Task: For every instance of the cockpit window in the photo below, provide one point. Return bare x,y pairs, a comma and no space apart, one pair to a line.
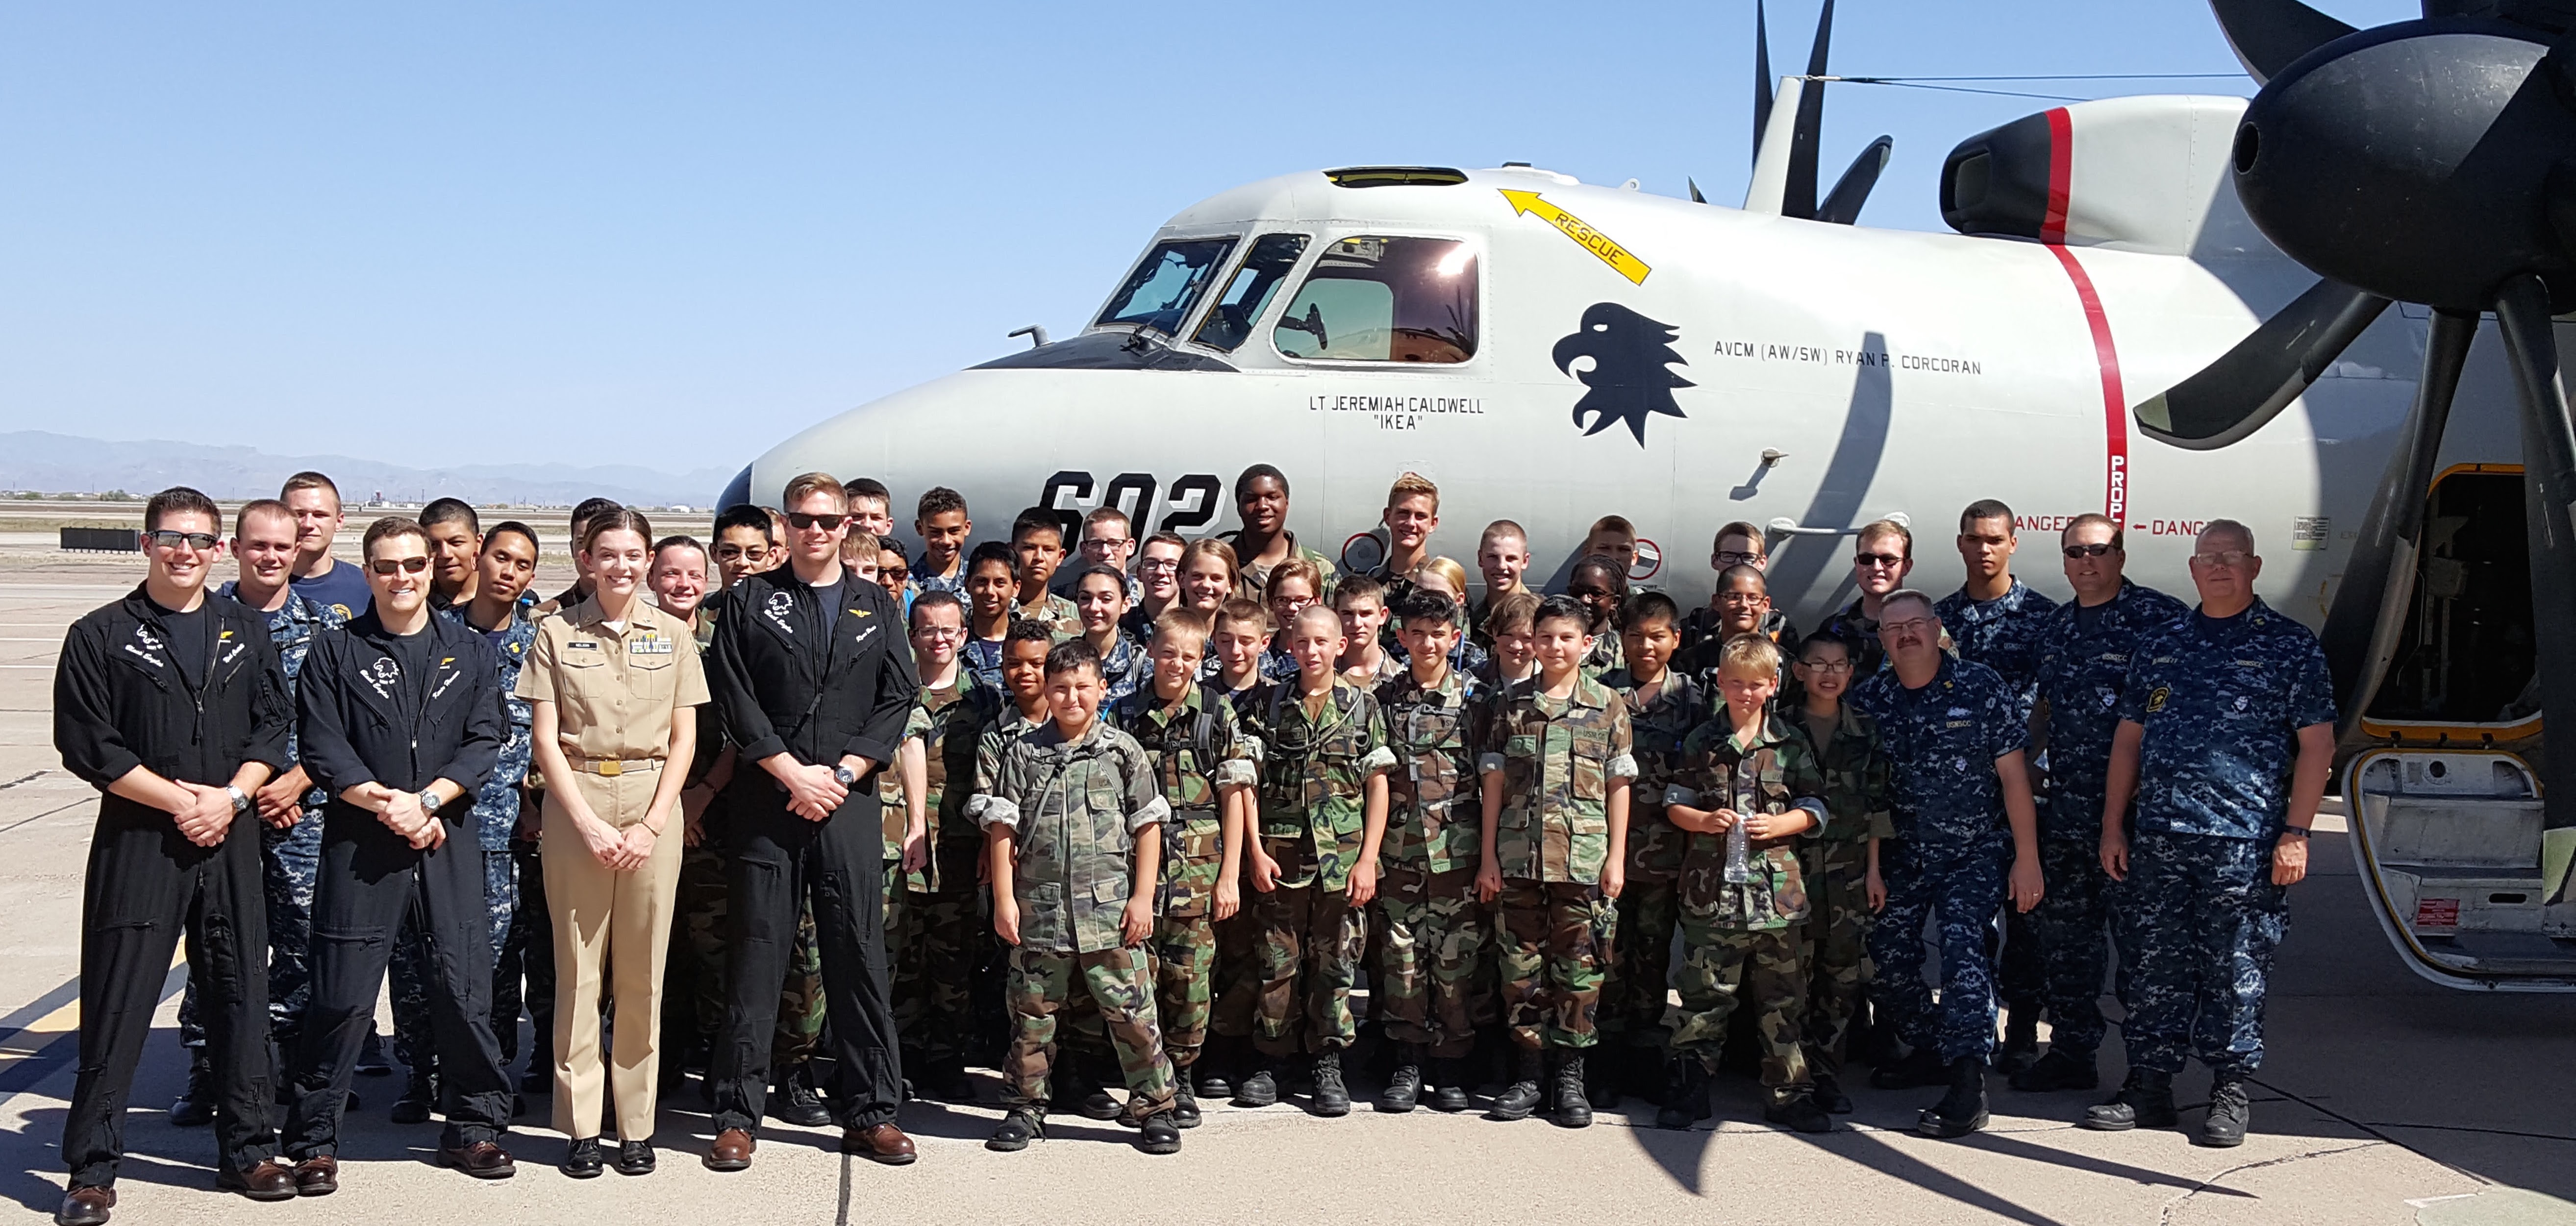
1229,322
1165,284
1379,299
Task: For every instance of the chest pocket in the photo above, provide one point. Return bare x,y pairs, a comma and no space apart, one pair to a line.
651,676
1587,751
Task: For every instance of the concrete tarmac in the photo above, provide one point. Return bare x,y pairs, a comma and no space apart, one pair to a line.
2385,1099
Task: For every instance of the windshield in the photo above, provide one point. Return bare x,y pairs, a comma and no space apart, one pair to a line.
1165,284
1229,322
1374,299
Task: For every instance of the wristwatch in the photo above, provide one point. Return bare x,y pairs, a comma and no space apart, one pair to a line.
849,778
2294,832
241,799
429,802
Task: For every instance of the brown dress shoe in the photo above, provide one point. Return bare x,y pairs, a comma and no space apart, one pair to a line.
731,1151
270,1180
482,1160
85,1207
879,1143
317,1176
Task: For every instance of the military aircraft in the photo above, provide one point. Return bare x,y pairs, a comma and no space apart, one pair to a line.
1549,351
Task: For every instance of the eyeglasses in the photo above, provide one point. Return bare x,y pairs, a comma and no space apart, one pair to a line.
164,538
1828,667
389,566
2094,550
1742,598
730,552
1727,558
1157,566
1917,625
1887,561
803,522
2224,559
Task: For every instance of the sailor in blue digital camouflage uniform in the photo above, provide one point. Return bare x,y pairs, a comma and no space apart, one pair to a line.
2085,651
504,566
1963,814
2226,739
1996,620
264,541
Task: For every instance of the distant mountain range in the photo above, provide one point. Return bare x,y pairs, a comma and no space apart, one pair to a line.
59,463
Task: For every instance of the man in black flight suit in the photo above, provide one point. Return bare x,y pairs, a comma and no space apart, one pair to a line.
400,721
814,677
175,707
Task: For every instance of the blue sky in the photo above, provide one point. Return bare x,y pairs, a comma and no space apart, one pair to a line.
669,235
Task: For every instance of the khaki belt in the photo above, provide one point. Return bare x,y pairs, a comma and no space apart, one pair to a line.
612,767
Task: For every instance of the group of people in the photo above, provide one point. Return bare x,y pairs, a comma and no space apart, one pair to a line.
965,807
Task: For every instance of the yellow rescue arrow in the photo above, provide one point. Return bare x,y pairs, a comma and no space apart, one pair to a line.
1619,258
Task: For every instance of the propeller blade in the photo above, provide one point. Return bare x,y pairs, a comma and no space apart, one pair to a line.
2379,578
1696,198
1842,205
2268,35
1762,82
1799,200
2248,385
2549,485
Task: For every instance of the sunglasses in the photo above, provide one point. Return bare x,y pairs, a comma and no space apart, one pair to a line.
167,539
894,574
803,522
2228,558
755,553
1588,593
1889,561
388,567
2089,551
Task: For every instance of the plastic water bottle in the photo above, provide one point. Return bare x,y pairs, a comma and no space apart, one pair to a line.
1739,845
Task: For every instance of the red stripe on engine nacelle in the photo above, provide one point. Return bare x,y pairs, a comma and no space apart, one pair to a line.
2106,356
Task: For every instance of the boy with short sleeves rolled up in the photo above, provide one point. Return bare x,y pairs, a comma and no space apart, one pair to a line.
1322,815
1742,923
1073,828
1556,760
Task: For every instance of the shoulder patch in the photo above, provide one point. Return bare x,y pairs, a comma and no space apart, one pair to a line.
2156,698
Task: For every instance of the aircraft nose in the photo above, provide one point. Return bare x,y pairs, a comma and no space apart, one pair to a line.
737,491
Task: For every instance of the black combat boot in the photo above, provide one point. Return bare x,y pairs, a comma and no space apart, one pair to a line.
1920,1067
1404,1082
1021,1126
1963,1109
418,1099
1448,1085
1830,1096
2145,1100
792,1099
1216,1061
1522,1096
2060,1069
196,1108
1605,1074
1573,1105
1799,1113
1159,1134
2231,1111
946,1080
1685,1094
1260,1088
1185,1096
1096,1102
1332,1098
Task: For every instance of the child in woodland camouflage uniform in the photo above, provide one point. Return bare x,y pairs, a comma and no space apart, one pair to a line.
1741,931
1073,825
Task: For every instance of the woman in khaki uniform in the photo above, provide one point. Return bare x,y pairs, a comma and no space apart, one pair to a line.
615,682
